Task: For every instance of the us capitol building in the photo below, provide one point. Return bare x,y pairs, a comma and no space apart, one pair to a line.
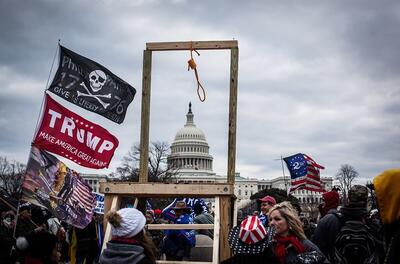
190,156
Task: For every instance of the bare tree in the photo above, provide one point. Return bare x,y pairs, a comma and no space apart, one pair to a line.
11,176
157,164
345,176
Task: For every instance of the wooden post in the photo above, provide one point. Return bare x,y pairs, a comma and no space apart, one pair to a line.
232,115
111,203
225,227
144,130
217,224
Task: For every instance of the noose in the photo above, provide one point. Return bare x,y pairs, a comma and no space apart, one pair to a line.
192,65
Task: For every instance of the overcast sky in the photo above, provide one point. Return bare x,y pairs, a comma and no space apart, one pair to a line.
316,77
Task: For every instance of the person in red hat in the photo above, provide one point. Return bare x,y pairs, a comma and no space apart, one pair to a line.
266,203
328,226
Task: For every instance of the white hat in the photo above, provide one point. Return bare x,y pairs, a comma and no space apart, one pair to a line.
132,222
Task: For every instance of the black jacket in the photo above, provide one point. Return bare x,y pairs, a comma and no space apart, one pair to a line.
325,234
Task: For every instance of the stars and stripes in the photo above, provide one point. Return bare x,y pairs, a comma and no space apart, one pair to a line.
304,173
82,196
252,230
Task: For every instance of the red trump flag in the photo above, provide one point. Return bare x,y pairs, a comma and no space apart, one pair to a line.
73,137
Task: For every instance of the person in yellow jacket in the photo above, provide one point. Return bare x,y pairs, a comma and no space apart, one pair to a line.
387,190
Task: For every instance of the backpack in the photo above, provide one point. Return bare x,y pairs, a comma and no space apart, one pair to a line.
355,244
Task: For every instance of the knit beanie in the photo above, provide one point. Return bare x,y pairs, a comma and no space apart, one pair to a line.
127,222
358,196
331,200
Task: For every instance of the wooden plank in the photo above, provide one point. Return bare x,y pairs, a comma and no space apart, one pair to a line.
217,224
107,207
187,45
232,115
181,262
225,227
152,190
235,212
114,206
179,226
145,117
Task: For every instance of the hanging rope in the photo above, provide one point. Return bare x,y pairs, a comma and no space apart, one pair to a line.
192,65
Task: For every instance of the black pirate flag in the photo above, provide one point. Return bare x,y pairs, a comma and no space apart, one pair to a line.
91,86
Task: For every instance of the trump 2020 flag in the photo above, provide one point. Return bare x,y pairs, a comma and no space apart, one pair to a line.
304,173
50,183
67,134
91,86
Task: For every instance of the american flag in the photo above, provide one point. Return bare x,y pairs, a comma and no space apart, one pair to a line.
304,173
82,195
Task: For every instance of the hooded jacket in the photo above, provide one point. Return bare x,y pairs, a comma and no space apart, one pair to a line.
387,186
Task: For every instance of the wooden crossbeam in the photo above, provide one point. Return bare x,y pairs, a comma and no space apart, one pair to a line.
179,226
187,45
154,190
181,262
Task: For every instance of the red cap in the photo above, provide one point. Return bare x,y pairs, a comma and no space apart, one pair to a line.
268,199
157,211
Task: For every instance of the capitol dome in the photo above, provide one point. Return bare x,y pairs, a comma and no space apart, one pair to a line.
190,150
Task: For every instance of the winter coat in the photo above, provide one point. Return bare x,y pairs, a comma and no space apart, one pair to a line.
387,186
6,243
123,253
291,254
325,234
24,227
178,243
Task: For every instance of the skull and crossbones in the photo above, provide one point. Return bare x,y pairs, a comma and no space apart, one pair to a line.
97,79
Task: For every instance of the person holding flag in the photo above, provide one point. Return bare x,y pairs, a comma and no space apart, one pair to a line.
178,243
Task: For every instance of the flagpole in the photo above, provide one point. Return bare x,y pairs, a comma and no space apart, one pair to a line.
52,64
283,173
37,123
47,84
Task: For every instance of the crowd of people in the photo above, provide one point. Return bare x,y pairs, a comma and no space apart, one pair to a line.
365,228
35,236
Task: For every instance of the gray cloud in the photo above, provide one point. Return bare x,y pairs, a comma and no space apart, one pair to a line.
314,77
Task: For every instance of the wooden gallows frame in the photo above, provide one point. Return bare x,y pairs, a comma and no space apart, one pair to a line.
223,192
